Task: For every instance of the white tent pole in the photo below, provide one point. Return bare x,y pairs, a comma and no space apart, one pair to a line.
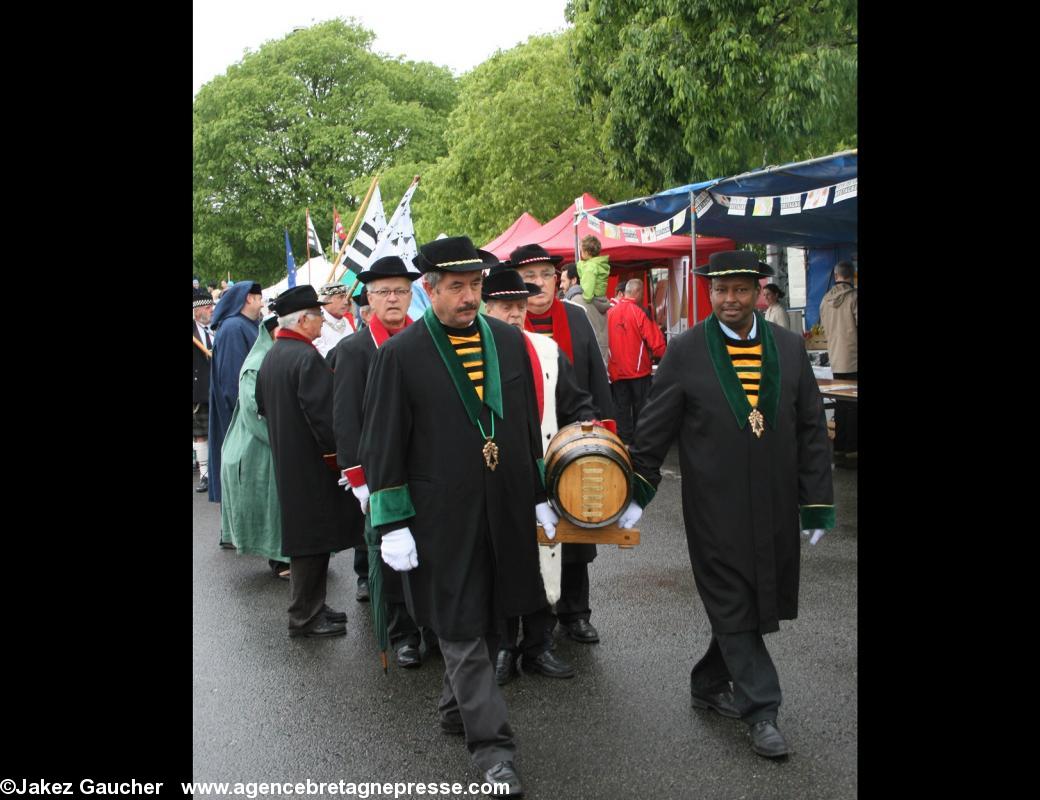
693,254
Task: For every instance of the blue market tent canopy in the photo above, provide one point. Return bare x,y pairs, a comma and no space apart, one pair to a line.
792,221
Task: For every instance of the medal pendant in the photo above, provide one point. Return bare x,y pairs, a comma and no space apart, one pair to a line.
757,422
490,454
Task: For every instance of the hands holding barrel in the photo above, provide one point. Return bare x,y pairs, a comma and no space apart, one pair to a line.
631,515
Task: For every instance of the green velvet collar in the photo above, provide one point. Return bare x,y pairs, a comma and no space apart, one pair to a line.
463,385
769,387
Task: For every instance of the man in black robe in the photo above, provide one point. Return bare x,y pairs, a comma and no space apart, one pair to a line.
560,402
450,449
568,325
294,393
389,283
741,396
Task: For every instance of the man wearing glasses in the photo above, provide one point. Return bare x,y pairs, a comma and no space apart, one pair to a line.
568,326
294,393
388,284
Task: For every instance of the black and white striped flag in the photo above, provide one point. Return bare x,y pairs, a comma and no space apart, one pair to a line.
313,243
359,252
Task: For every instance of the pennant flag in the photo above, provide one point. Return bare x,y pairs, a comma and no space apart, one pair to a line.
704,202
817,198
845,191
290,262
791,204
338,232
663,229
678,220
595,224
737,206
312,238
763,207
611,231
630,234
359,254
648,235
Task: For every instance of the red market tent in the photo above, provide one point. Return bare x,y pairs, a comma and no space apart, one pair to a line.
557,236
513,236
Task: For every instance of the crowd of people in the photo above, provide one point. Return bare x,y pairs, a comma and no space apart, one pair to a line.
419,444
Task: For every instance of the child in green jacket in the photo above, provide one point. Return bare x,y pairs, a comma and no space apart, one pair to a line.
593,271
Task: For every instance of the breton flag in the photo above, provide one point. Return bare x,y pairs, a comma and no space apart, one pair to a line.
399,239
290,262
312,238
359,252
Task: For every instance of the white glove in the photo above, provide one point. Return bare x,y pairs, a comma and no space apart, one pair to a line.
361,493
548,519
631,515
815,533
398,550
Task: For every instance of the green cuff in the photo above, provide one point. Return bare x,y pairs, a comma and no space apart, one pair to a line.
642,491
390,505
817,517
541,471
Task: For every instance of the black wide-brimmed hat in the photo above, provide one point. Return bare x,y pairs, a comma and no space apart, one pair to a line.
775,289
734,262
531,254
297,299
505,283
201,298
450,254
489,259
387,267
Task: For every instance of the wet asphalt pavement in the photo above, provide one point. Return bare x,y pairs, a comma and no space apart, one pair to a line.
271,708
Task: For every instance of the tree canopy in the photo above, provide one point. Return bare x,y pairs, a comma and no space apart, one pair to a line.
306,121
689,90
517,142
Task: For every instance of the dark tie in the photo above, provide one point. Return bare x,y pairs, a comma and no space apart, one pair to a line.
205,332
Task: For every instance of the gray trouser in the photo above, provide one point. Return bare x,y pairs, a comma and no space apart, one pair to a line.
741,658
471,695
307,585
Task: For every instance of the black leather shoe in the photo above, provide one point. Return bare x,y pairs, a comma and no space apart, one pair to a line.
505,772
549,665
408,656
505,667
766,739
452,727
225,545
362,590
203,484
719,701
581,631
334,616
323,628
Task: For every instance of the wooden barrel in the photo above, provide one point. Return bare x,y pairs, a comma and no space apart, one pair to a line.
588,475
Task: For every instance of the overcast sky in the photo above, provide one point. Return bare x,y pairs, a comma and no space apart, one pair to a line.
458,34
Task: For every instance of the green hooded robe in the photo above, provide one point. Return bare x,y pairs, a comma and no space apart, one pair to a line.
249,511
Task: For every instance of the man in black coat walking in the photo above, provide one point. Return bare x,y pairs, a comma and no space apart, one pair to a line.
294,393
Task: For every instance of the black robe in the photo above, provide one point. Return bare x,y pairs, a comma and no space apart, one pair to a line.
742,495
199,368
350,360
294,393
474,528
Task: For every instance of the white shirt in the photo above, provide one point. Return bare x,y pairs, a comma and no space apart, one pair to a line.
732,334
332,331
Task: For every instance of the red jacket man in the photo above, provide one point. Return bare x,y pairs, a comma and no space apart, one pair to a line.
632,338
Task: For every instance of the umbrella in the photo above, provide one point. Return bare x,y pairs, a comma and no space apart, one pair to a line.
375,590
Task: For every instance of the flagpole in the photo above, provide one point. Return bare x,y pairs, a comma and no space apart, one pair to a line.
693,252
353,228
308,224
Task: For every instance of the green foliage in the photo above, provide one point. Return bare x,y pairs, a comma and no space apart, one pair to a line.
691,90
517,142
306,121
